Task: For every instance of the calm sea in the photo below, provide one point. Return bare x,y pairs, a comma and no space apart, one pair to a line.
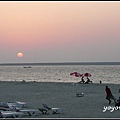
107,73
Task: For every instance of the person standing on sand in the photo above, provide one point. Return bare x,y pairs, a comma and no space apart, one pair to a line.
109,95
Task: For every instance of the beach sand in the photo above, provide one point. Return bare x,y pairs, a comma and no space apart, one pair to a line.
62,95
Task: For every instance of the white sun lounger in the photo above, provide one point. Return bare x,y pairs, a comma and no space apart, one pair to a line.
49,110
11,114
7,106
4,106
22,107
29,112
17,104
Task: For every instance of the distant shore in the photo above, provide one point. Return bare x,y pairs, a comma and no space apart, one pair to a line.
62,95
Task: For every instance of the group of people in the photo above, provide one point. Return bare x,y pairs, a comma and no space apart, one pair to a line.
109,97
83,81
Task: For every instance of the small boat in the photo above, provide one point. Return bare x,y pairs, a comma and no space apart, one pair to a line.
27,67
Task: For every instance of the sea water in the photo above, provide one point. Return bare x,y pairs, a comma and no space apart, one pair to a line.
60,73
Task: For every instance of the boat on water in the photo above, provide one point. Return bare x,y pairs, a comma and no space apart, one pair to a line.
27,67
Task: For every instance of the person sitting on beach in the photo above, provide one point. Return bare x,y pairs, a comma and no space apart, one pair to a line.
88,81
82,80
119,91
118,102
109,95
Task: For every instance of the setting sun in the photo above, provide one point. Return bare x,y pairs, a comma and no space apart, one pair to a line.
20,54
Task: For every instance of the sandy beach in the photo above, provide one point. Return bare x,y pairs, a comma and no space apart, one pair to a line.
63,95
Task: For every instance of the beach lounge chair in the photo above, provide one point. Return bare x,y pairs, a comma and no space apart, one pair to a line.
7,106
17,104
10,114
12,108
48,109
29,112
22,107
4,106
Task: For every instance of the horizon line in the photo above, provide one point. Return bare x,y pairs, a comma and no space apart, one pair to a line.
64,63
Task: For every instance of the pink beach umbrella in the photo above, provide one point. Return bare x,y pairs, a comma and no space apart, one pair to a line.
76,74
87,75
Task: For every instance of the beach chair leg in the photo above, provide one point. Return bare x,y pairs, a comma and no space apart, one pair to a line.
54,112
44,111
58,111
29,113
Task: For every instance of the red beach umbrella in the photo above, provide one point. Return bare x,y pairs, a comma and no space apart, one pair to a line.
76,74
87,75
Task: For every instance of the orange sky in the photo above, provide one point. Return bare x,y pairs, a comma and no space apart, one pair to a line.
59,31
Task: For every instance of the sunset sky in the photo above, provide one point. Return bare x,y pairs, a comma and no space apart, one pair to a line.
59,32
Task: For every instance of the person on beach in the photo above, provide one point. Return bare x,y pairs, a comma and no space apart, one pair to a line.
109,95
118,103
119,91
88,81
82,80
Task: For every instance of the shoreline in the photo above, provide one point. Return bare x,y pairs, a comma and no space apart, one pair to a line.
25,81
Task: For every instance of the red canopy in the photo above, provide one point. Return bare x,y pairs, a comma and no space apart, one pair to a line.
87,75
76,74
